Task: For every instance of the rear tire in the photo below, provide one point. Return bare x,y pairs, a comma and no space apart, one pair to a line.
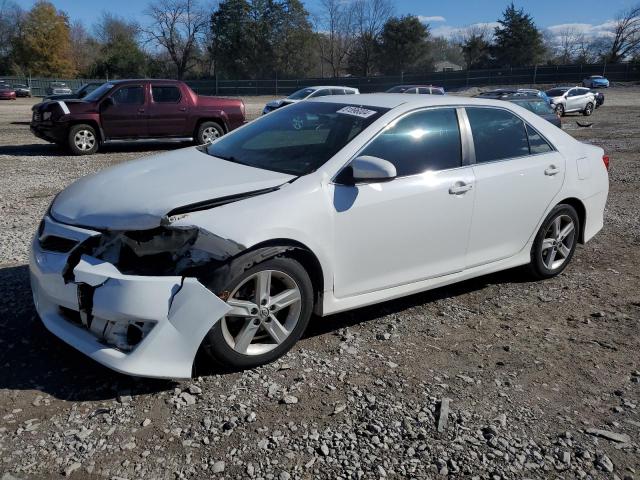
208,132
257,331
555,242
588,110
82,140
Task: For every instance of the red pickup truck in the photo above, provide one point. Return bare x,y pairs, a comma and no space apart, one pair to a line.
126,110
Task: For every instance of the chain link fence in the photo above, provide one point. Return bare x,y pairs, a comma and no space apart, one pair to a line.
451,80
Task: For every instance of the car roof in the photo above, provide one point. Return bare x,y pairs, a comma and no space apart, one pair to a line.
393,100
316,87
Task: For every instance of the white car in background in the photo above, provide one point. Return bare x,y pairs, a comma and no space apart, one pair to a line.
307,93
232,246
572,99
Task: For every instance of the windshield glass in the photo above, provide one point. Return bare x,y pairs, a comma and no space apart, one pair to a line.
556,92
297,139
301,94
98,92
539,107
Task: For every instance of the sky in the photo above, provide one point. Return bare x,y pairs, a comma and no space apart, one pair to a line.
443,16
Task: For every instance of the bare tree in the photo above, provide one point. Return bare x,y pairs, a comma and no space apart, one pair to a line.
11,16
369,17
626,38
568,42
177,26
337,33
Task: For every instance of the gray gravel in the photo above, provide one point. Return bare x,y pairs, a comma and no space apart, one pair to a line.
495,378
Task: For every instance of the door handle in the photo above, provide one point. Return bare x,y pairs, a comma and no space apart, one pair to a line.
551,170
183,109
459,188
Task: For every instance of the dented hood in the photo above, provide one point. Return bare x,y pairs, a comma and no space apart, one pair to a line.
137,195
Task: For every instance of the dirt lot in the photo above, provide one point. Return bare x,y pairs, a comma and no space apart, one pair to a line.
543,377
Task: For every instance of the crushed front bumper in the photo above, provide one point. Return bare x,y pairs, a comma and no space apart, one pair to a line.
166,317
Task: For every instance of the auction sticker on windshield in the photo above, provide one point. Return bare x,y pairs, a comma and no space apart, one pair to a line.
357,111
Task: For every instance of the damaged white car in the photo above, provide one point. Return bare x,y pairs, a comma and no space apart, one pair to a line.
231,247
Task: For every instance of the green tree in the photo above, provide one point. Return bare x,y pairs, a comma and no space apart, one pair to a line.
228,28
403,45
518,42
476,51
120,53
44,46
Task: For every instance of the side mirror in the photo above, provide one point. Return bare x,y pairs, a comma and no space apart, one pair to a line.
367,169
106,103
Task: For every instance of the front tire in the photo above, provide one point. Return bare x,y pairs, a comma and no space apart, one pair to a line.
560,110
272,304
82,140
588,110
555,242
208,132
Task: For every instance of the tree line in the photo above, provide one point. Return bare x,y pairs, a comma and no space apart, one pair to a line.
259,39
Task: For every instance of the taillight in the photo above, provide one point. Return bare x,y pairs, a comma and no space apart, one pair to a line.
242,108
605,160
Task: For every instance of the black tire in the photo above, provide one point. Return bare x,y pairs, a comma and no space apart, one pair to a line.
77,148
537,266
588,109
217,346
206,129
560,110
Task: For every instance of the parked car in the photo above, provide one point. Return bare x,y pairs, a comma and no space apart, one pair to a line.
231,246
532,102
58,88
572,99
82,92
498,93
7,92
419,89
595,81
599,96
309,92
135,109
22,90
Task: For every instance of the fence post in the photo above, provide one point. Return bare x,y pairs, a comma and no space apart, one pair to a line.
276,83
216,83
604,68
535,73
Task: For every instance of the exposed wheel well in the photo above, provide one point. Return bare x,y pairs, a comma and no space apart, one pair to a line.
580,210
301,253
214,120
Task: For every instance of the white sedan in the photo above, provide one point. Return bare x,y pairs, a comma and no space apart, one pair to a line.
231,247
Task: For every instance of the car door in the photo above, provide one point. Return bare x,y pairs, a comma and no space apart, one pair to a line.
517,175
167,112
574,100
415,226
124,116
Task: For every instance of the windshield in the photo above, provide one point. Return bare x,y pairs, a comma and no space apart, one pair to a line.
556,92
297,139
98,92
301,94
539,107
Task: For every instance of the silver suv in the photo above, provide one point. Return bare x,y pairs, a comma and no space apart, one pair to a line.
572,99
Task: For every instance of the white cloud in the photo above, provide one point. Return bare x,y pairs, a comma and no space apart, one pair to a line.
589,30
448,31
435,18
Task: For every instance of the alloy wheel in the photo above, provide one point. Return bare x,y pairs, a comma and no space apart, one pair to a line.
210,134
265,310
559,240
84,140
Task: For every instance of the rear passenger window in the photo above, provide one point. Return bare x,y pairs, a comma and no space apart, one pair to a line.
537,144
165,94
128,96
419,142
497,134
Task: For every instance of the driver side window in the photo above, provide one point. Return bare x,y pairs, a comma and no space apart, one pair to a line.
133,95
428,140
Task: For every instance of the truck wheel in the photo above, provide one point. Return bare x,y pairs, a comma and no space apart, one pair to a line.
208,132
82,140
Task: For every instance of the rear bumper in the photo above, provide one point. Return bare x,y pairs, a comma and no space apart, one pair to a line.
169,315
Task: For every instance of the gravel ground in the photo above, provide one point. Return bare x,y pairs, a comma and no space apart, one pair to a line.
497,377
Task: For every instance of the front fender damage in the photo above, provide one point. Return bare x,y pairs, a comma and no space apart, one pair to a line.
155,294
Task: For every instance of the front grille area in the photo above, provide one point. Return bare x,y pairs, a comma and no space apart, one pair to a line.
53,243
36,116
